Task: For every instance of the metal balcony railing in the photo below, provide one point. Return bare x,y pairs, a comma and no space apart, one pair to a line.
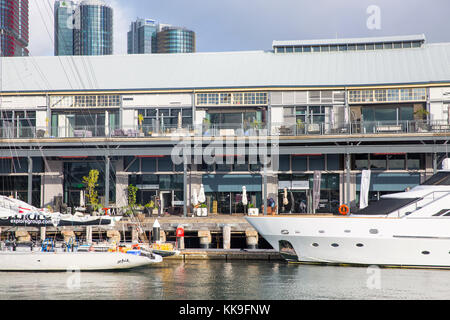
224,130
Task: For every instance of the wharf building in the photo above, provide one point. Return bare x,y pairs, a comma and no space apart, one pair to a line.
84,28
379,103
14,30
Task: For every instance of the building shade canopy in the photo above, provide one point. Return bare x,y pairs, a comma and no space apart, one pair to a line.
232,183
390,181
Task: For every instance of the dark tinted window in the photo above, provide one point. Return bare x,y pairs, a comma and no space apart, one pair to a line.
439,179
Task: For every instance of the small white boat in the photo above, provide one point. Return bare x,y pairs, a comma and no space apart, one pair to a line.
74,261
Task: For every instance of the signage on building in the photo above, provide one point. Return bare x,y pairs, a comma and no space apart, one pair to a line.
148,186
300,185
294,185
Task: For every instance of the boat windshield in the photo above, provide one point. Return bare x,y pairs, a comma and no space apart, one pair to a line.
385,206
439,179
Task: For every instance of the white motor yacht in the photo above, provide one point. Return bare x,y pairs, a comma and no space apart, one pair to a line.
408,229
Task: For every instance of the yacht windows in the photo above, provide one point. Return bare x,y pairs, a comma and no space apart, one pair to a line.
385,206
439,179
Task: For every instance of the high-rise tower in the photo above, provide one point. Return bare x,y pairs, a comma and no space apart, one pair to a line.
14,28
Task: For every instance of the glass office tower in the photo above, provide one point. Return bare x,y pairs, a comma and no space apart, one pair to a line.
142,36
93,28
175,40
64,27
13,28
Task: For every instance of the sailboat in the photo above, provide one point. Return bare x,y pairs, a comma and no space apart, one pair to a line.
14,213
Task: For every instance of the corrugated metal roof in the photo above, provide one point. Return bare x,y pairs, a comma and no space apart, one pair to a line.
278,43
430,63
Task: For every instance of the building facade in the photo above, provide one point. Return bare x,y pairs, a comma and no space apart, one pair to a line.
142,36
175,40
83,29
217,119
64,27
14,28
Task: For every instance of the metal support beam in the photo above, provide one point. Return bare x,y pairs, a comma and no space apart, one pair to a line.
185,197
265,189
435,163
107,178
30,181
347,179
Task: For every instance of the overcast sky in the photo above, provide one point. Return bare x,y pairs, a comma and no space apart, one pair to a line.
236,25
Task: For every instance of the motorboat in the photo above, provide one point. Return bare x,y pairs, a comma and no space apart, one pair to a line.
406,229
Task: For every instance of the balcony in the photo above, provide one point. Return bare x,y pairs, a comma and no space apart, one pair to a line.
276,129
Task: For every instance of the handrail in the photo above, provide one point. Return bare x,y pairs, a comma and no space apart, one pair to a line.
422,198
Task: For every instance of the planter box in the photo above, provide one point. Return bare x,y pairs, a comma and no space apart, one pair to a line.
204,212
155,211
253,211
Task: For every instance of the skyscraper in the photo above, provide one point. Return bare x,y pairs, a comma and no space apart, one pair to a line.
148,36
142,36
92,28
13,28
64,27
175,40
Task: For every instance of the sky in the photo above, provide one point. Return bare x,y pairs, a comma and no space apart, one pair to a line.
241,25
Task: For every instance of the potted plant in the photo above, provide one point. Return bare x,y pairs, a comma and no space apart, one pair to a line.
252,211
204,210
149,206
141,119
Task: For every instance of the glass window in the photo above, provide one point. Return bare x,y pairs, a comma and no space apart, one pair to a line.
324,48
397,45
361,47
307,49
415,161
316,49
370,46
392,95
352,47
299,163
407,44
388,45
343,47
298,49
379,46
378,162
317,162
361,161
289,49
396,162
333,48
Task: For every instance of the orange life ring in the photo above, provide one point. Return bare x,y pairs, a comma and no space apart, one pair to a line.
344,209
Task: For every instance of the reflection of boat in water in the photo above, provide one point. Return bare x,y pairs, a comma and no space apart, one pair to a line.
14,212
410,228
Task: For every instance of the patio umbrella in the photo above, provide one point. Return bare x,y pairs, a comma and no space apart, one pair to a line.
244,196
194,199
179,120
201,194
285,199
82,202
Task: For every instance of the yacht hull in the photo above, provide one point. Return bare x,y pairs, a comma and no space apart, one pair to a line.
72,261
358,240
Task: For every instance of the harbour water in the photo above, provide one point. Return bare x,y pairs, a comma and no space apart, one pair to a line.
235,280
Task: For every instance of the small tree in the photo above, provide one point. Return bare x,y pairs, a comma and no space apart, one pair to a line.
132,191
90,183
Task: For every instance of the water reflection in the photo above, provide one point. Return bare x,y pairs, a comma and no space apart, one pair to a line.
220,280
